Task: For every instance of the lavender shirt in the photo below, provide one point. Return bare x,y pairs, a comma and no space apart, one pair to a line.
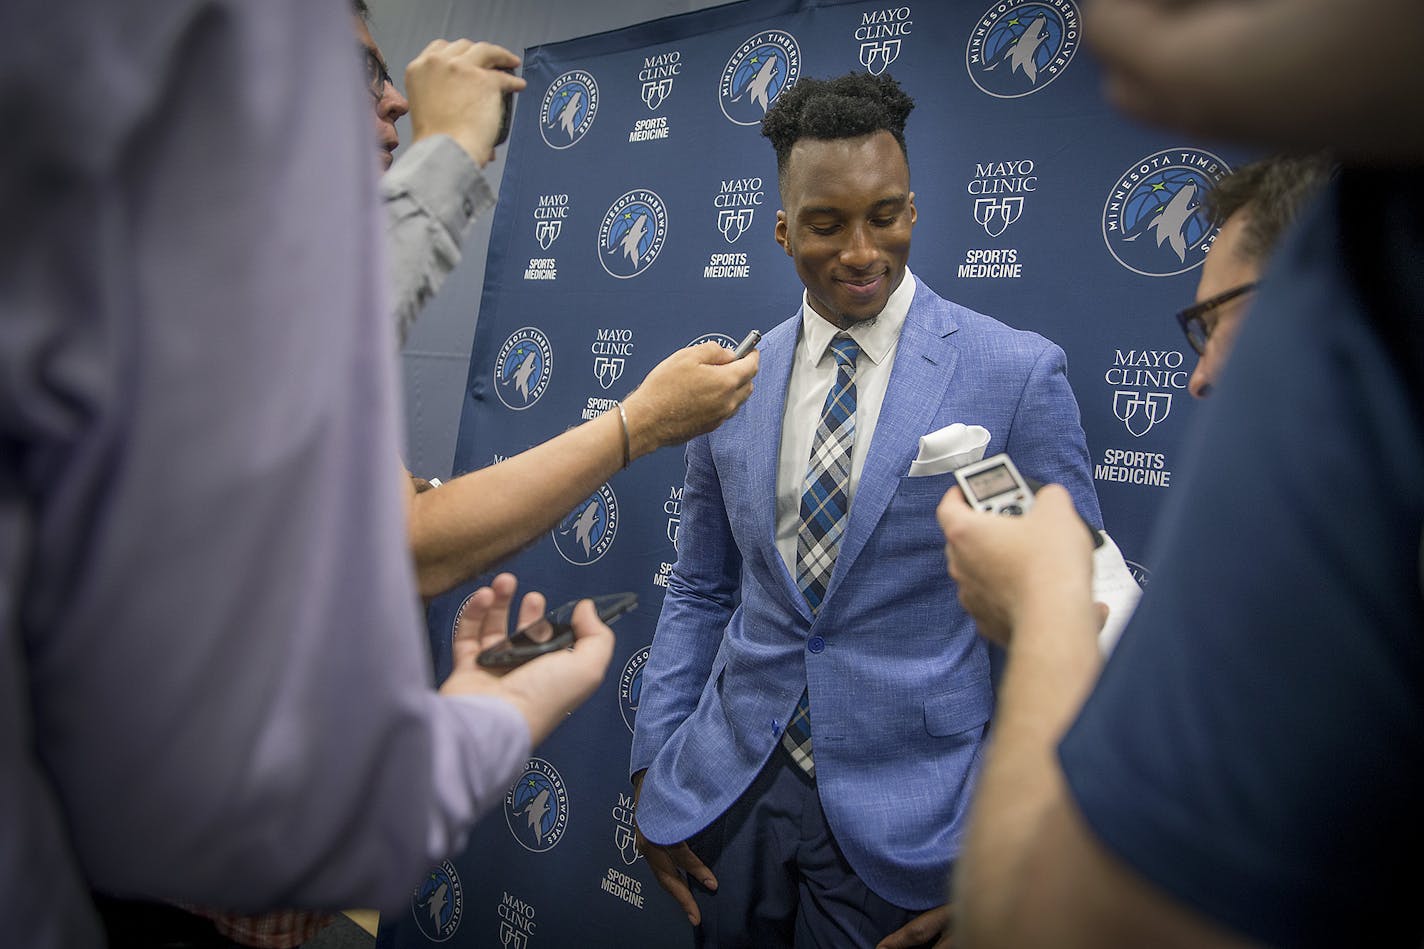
213,681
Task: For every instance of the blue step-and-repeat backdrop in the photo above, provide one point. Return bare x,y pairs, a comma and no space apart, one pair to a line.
636,217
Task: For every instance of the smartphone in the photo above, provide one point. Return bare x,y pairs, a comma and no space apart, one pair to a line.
553,631
506,115
747,344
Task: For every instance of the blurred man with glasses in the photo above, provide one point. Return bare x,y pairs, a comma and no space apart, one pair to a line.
1253,206
437,187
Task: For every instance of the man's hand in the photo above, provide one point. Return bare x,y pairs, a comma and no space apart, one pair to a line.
1260,71
930,925
546,689
672,865
691,392
1007,566
457,89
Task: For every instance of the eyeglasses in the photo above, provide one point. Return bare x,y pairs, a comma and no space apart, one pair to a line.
376,74
1193,319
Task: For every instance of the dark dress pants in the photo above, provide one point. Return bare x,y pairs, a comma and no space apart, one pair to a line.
781,879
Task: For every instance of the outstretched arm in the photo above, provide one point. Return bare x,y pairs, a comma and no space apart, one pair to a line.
478,519
1031,873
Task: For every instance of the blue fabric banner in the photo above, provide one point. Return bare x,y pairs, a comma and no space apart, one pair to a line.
635,217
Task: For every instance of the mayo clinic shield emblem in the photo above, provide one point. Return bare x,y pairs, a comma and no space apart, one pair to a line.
608,369
546,232
655,92
734,223
996,214
1141,412
627,843
877,57
511,938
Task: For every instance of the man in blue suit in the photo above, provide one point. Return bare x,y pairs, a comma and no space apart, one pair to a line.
816,702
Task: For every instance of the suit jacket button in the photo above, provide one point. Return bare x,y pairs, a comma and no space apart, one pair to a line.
816,644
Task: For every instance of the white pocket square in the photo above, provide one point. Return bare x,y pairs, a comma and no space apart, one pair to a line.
953,446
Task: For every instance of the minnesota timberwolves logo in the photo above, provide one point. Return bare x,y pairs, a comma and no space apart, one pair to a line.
569,108
721,339
459,618
1153,220
523,367
1018,48
632,233
537,807
587,533
438,903
761,68
1139,573
630,686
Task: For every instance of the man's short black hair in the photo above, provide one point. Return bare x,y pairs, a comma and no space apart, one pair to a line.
847,106
1271,192
360,8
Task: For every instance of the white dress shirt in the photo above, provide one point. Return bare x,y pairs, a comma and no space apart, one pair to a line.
813,370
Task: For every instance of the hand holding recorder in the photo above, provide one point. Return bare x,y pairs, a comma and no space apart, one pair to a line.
1006,567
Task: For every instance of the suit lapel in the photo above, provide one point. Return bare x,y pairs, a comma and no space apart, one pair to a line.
764,419
924,365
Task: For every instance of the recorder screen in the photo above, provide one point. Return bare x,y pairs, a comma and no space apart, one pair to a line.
994,481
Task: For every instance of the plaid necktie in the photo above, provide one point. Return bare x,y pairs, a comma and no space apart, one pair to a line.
824,503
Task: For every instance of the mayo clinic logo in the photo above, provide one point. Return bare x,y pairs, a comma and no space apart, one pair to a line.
516,922
657,76
549,217
537,807
632,233
761,68
1153,220
523,367
587,533
881,33
736,205
630,687
438,902
611,349
998,189
1143,383
569,108
1018,48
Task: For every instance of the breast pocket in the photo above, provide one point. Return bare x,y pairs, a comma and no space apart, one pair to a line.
927,489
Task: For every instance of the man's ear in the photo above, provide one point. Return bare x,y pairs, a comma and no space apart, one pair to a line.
914,215
783,232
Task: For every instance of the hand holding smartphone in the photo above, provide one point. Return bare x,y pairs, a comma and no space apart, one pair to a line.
552,632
